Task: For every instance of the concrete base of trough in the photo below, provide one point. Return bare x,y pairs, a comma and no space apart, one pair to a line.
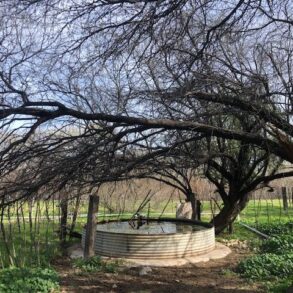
220,251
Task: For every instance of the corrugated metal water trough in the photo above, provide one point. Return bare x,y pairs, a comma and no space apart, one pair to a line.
156,246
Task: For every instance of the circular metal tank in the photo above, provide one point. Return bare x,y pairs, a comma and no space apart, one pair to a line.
156,246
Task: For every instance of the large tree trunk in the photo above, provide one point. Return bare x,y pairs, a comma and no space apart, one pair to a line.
228,213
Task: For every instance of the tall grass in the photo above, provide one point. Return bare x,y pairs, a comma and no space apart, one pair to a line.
26,237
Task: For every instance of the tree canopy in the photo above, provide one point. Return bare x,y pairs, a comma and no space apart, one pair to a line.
112,84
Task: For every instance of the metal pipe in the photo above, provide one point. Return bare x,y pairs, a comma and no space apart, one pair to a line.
255,230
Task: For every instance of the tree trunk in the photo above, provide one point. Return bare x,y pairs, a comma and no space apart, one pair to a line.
63,220
228,213
285,198
75,213
5,240
195,205
191,209
90,236
198,210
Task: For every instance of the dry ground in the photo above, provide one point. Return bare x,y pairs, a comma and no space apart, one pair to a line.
211,277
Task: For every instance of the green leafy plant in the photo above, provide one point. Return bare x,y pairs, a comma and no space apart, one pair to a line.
281,286
227,272
278,245
23,280
274,263
276,228
96,264
267,265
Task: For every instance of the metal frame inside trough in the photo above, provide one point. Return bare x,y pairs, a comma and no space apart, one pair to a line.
155,246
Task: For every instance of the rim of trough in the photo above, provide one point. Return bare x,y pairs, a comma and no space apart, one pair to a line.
186,221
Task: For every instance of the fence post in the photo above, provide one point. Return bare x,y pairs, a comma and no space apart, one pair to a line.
90,236
64,217
285,199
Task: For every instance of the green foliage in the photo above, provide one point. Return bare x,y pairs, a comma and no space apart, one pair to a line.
96,264
227,272
276,228
239,232
23,280
267,265
274,264
278,244
266,211
34,247
281,286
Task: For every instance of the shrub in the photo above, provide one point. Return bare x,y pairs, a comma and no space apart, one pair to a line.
23,280
275,265
267,265
276,229
280,287
96,264
278,245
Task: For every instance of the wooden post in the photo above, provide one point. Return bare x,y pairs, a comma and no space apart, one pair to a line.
89,244
63,219
198,210
285,199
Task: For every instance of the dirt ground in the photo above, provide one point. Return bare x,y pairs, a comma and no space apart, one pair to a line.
211,277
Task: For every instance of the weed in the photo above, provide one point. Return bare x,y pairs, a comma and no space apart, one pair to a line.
267,265
23,280
278,245
96,264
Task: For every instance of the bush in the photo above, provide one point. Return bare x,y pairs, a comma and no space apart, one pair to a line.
267,265
23,280
275,265
96,264
276,229
280,287
278,245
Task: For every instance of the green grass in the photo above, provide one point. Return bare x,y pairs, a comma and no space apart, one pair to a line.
239,232
36,246
256,211
266,211
29,248
41,244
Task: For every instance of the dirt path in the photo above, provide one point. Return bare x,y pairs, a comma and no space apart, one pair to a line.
211,277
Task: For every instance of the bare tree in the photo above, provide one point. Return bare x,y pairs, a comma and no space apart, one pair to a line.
236,169
131,75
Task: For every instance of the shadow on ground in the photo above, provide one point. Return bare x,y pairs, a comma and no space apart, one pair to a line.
211,277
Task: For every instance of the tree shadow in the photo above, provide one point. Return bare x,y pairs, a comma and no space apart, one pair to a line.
153,283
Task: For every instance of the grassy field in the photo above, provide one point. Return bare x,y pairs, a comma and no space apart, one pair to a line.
268,211
34,241
259,210
31,235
